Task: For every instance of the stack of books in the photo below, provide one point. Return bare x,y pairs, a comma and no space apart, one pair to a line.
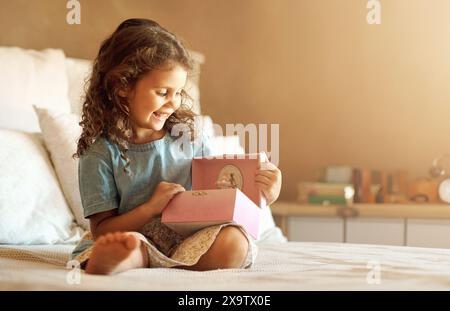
347,185
325,193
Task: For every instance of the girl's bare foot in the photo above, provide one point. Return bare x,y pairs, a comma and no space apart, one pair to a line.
117,252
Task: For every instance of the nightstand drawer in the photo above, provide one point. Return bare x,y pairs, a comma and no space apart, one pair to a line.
315,229
382,231
428,233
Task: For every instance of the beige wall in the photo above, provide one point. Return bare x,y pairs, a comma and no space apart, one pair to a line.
343,91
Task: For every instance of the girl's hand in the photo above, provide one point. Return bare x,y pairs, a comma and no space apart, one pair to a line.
164,192
268,181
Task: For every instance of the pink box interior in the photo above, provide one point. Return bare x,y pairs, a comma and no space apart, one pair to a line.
206,171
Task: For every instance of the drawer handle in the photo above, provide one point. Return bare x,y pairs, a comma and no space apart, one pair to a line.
347,212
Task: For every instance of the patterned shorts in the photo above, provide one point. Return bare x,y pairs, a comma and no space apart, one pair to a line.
167,248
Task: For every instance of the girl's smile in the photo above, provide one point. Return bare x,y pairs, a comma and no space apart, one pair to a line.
161,116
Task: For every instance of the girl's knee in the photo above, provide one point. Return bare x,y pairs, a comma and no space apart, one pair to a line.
234,246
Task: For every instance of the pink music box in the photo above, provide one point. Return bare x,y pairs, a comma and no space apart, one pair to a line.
223,190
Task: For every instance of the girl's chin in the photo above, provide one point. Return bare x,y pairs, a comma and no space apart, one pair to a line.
156,122
153,126
151,123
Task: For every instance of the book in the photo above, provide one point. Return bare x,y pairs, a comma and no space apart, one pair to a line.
325,193
338,174
327,199
223,191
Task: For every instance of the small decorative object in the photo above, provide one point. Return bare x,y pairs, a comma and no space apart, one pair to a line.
438,172
397,187
423,190
444,190
229,177
362,184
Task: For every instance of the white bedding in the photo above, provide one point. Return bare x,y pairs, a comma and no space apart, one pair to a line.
287,266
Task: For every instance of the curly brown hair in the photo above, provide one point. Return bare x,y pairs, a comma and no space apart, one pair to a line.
135,48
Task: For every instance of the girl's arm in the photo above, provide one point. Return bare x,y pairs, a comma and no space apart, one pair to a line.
134,220
110,221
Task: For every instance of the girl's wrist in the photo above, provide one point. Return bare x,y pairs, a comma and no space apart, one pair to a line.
147,210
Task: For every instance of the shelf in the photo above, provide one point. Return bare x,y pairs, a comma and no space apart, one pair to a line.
413,210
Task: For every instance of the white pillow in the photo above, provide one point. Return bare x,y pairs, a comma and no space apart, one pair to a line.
32,207
61,132
27,78
78,72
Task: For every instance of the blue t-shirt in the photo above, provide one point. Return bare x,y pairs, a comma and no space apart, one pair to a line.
104,185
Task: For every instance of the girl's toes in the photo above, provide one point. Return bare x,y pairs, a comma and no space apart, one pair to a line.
130,242
118,236
109,237
101,240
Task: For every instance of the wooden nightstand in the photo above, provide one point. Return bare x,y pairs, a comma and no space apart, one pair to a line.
395,224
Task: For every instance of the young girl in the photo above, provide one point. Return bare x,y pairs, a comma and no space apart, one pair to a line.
128,170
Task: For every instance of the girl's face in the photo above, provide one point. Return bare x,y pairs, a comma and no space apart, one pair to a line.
154,98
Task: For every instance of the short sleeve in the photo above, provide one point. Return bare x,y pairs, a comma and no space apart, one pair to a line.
97,185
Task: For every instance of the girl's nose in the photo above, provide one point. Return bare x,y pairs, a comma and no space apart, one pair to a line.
174,102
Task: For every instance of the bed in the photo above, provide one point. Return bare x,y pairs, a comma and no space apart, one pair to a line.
286,266
41,215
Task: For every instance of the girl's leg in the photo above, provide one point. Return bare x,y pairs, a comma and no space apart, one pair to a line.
229,250
117,252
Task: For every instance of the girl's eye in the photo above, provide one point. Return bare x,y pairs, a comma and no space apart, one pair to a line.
162,93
